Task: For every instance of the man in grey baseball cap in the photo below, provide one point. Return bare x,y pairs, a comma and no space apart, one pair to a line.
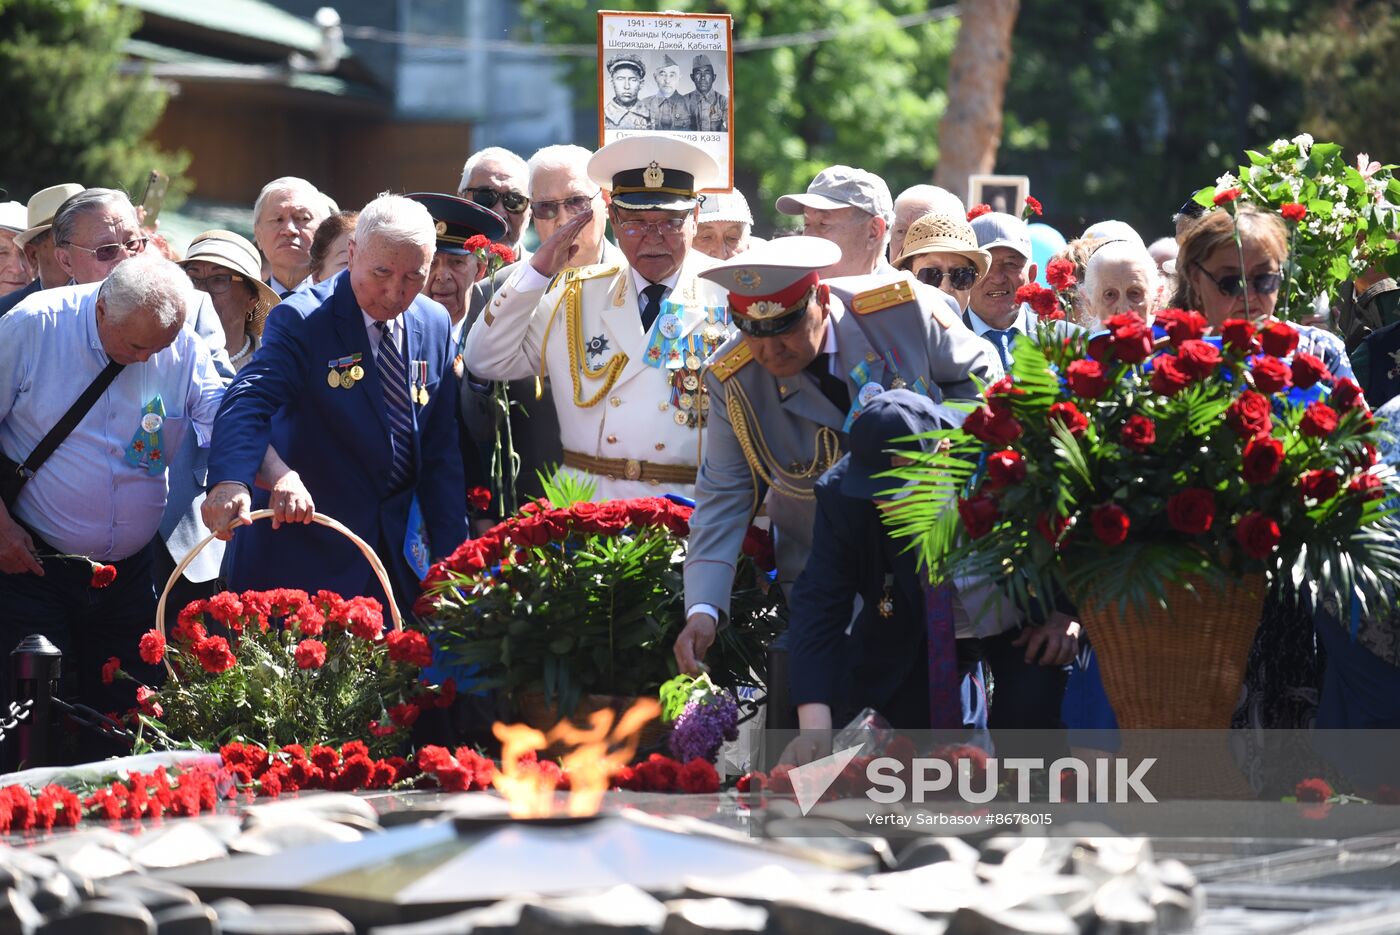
852,208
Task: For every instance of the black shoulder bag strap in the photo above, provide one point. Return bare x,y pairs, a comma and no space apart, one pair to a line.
49,443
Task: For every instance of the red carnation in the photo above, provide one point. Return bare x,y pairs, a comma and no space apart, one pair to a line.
1226,196
214,654
1279,339
479,499
1346,394
1191,511
1249,415
1168,376
1238,335
1139,433
1313,790
1110,523
1270,375
152,647
976,211
1182,325
1033,206
310,654
1060,273
148,707
1369,486
1197,358
658,773
1319,420
404,714
1292,211
409,646
1087,378
1308,371
994,427
1258,534
1005,468
1262,459
1042,301
1319,485
979,514
1068,415
697,777
102,575
110,669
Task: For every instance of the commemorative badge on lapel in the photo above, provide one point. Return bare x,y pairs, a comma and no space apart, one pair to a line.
420,382
147,448
344,372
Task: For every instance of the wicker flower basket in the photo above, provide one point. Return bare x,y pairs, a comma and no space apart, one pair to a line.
1179,666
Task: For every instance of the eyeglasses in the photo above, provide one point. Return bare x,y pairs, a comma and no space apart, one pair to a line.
638,229
960,277
1232,286
108,251
549,210
217,284
514,202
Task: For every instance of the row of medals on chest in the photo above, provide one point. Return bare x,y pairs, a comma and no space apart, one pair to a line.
688,393
345,372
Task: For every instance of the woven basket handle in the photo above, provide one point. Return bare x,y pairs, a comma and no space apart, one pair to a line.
319,519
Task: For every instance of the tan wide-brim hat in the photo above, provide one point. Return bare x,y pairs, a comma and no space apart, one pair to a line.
43,206
235,253
943,233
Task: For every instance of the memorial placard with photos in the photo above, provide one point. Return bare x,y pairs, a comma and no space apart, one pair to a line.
670,73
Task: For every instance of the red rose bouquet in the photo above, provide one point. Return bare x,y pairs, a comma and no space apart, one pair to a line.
282,667
586,599
1113,466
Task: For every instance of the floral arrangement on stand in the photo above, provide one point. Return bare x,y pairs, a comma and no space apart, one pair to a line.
1339,215
583,600
292,668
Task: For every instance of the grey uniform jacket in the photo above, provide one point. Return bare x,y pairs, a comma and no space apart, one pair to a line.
776,436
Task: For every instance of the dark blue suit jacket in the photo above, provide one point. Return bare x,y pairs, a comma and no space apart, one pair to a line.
10,299
338,441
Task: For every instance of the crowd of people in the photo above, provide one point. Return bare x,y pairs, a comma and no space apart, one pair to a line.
384,367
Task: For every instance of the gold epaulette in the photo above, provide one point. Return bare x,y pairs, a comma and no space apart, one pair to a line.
583,272
731,362
882,297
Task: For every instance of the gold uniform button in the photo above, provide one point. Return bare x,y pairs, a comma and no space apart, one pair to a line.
612,439
662,407
615,401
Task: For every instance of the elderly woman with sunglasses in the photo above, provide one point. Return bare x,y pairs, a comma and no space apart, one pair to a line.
941,250
1212,279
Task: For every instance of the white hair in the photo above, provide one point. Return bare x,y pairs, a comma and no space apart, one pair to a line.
147,284
320,203
938,199
89,200
564,157
397,220
1116,251
492,154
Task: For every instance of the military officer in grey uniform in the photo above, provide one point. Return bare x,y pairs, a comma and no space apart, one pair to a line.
624,111
709,108
668,108
785,392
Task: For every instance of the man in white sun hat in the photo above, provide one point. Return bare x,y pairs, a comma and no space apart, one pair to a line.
623,343
36,240
725,225
811,354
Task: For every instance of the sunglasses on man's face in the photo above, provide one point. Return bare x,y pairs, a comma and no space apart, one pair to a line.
514,202
1232,285
549,210
960,278
108,251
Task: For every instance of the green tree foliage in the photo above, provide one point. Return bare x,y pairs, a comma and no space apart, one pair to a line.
872,97
70,114
1348,61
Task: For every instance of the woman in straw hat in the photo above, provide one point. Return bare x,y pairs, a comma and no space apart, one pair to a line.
226,266
941,250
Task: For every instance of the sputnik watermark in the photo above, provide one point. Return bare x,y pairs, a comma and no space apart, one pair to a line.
891,780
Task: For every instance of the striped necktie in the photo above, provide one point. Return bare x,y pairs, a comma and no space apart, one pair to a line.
393,383
1002,340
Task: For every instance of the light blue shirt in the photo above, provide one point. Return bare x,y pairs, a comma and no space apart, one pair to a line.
85,499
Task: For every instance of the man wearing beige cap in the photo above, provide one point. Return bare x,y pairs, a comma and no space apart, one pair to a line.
725,223
851,208
37,243
14,269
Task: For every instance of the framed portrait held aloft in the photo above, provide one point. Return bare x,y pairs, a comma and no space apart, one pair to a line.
670,73
1005,193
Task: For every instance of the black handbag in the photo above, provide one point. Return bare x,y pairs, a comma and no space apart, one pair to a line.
13,476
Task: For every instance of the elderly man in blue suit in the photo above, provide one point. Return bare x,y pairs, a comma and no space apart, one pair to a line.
354,388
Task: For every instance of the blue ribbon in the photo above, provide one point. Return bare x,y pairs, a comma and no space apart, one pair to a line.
147,449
